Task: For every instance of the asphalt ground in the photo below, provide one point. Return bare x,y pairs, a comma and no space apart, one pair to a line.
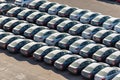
17,67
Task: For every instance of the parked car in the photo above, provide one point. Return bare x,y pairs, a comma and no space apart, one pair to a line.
99,20
66,25
14,11
117,28
8,39
11,24
90,49
52,56
107,73
103,53
30,48
23,3
92,69
3,34
54,22
14,47
110,23
43,34
45,6
34,16
79,44
90,31
117,77
76,15
87,17
78,29
55,9
111,39
66,11
78,65
40,53
114,58
30,32
23,14
19,29
43,20
35,4
4,20
67,41
63,62
54,38
117,45
100,35
4,7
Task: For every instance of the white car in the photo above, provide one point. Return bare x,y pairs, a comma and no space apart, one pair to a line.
75,15
87,17
55,8
22,2
117,28
107,73
43,34
110,23
90,31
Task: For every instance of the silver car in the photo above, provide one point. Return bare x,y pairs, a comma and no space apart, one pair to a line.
87,17
75,15
55,8
54,38
110,23
79,44
90,31
43,34
107,73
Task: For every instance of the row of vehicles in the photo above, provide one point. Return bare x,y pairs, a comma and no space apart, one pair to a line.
61,59
51,36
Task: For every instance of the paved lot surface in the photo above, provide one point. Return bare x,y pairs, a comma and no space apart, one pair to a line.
17,67
102,6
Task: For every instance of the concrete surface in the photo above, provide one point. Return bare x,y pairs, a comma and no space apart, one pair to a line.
17,67
103,6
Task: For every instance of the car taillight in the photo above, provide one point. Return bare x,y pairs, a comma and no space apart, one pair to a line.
77,49
75,70
61,66
113,63
40,38
103,79
89,75
99,58
65,45
52,41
